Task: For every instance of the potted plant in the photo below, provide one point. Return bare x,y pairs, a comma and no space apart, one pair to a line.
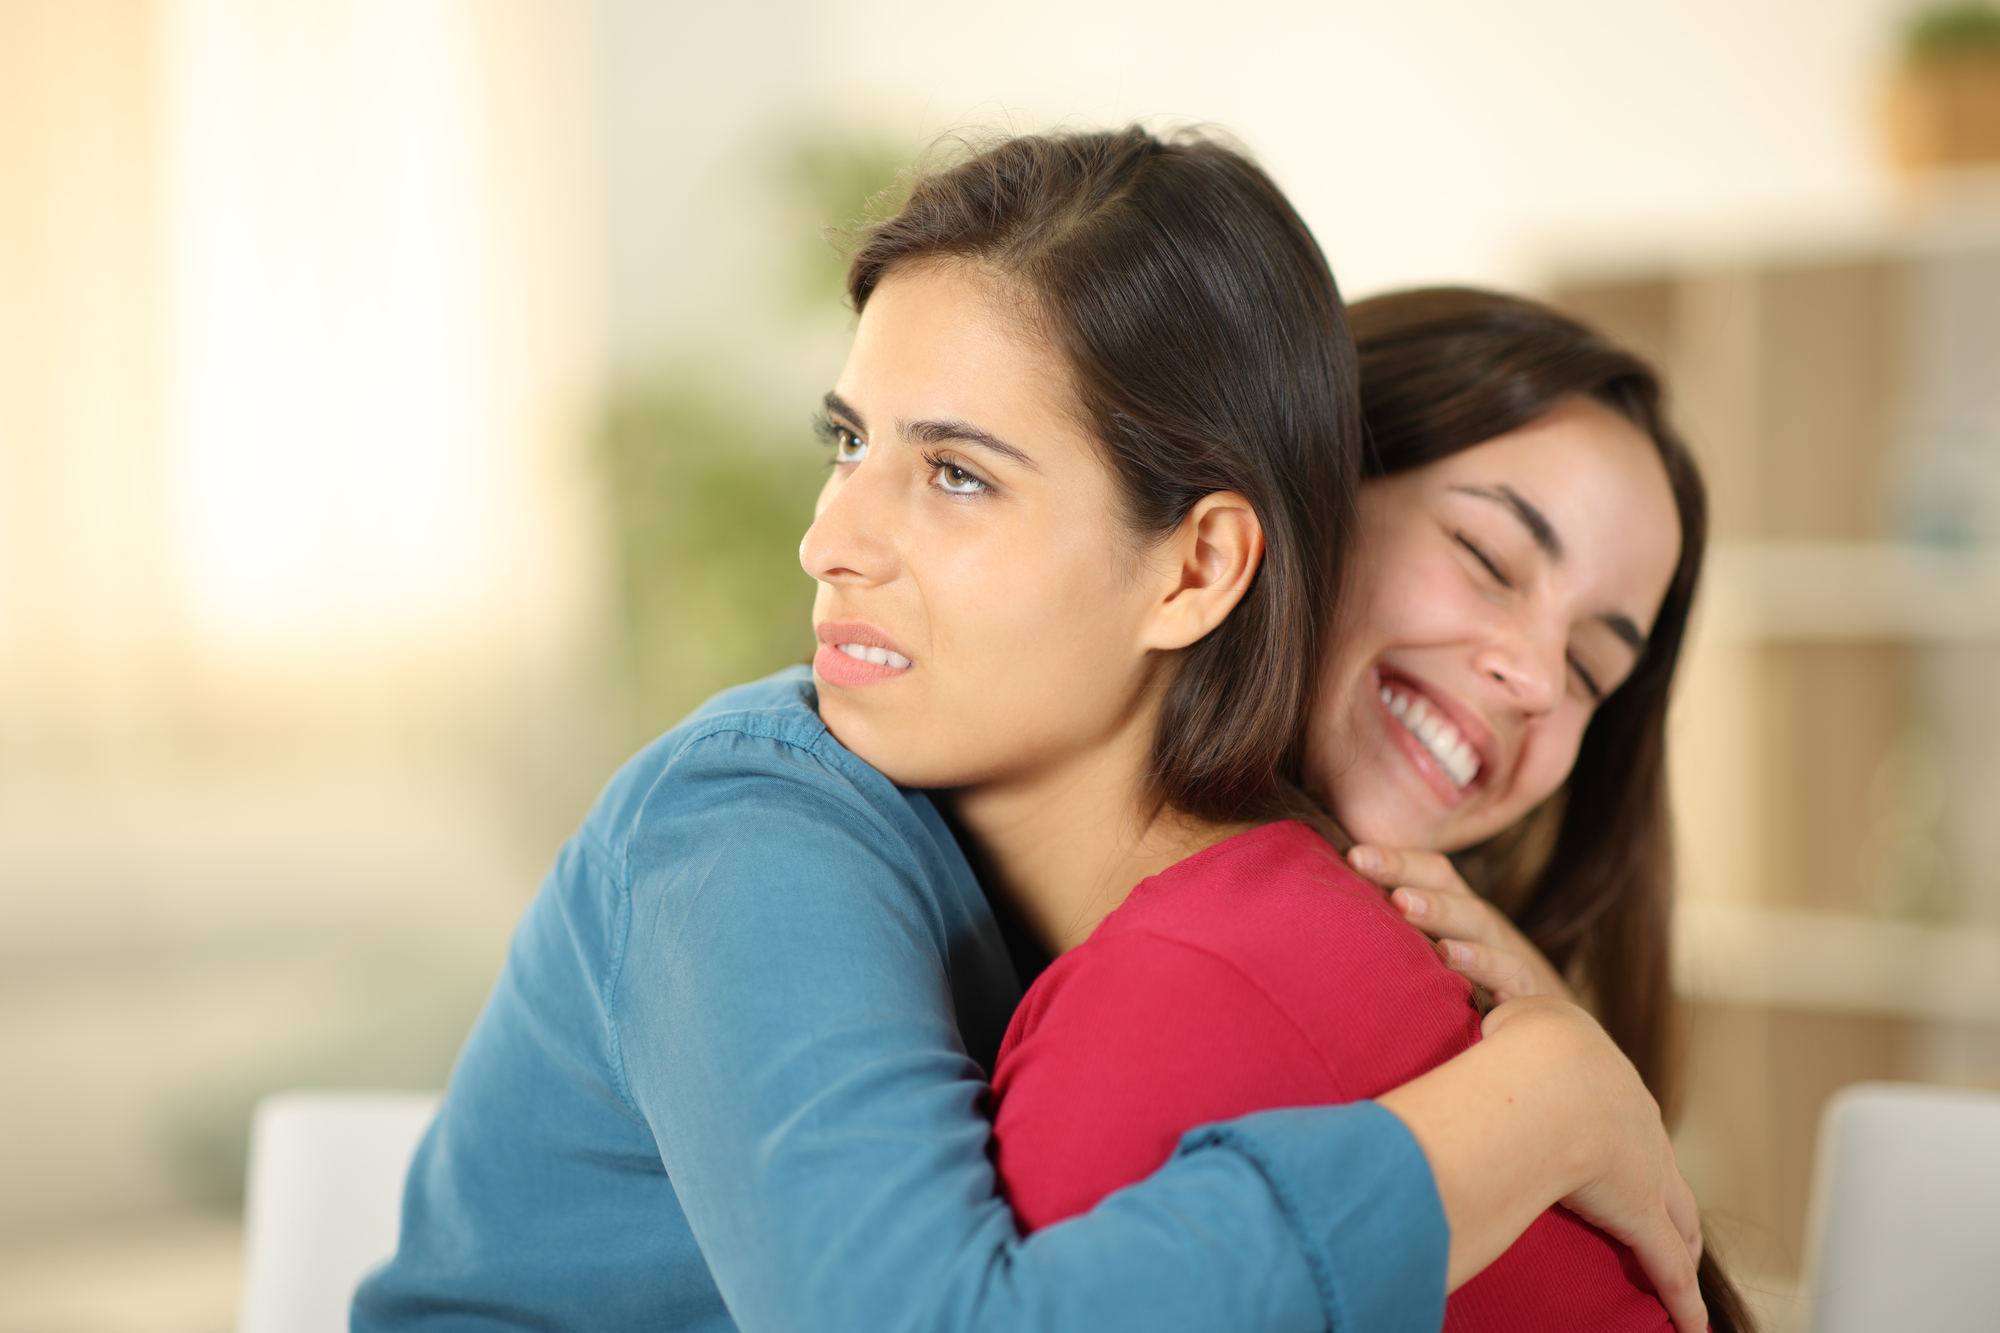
1944,106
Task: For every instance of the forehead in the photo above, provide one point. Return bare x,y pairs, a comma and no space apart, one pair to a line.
942,348
962,337
1599,480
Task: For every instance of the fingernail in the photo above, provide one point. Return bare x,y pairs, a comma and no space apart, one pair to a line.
1413,904
1365,859
1460,953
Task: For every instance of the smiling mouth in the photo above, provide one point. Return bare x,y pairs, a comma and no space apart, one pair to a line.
861,652
1439,737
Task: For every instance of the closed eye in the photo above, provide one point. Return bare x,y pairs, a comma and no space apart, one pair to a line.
1483,559
1589,681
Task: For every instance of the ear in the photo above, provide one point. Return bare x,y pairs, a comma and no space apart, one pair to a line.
1207,565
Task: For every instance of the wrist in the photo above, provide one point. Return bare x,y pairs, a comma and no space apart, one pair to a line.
1532,1013
1554,1048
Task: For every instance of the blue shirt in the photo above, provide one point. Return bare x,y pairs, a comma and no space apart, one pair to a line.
723,1082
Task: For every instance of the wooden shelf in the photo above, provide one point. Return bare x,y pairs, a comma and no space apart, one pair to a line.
1844,592
1836,962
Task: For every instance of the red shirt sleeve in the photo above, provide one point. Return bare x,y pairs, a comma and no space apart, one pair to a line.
1125,1046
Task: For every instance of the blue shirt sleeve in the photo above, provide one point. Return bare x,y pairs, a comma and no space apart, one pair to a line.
782,1019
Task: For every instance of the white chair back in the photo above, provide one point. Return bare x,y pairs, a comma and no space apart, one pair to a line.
1905,1228
323,1202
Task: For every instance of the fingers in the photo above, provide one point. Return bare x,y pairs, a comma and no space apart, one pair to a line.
1393,869
1458,916
1673,1249
1633,1188
1503,973
1480,944
1664,1257
1474,945
1634,1211
1681,1209
1667,1245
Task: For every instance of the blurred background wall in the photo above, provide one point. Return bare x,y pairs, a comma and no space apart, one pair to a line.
402,417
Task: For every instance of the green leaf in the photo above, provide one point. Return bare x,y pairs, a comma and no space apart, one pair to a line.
1952,30
709,503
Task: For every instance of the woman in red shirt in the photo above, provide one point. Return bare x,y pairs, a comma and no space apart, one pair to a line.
1576,848
1528,551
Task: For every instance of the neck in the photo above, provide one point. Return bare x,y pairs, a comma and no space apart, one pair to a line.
1067,845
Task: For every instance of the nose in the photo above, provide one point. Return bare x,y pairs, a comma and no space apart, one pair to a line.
1530,664
846,543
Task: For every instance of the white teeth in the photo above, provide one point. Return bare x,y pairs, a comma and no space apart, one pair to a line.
1454,754
879,656
1463,764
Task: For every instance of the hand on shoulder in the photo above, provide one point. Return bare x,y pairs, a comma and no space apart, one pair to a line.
1475,938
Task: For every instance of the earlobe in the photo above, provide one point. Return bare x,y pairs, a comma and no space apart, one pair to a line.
1211,559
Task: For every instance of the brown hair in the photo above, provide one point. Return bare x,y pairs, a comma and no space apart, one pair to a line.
1588,874
1209,351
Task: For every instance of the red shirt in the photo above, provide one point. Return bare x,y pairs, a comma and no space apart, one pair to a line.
1260,973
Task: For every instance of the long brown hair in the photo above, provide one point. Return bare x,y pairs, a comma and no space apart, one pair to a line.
1587,875
1209,351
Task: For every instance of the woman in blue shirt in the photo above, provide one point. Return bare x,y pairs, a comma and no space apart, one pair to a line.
1076,545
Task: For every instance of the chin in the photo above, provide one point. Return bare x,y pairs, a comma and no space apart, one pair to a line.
850,726
1391,823
1387,824
904,760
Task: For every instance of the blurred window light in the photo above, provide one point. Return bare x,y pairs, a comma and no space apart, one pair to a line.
332,470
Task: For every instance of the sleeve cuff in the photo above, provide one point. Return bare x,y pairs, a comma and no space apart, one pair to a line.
1359,1192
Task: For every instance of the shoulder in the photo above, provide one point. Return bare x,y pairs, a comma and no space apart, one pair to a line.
1278,905
747,790
753,792
1142,979
771,724
1264,890
747,755
1238,931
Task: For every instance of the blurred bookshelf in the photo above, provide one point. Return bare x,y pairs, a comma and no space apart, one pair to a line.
1852,592
1836,751
1837,962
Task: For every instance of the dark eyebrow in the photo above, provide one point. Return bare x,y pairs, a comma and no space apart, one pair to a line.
1544,532
937,432
1534,520
1628,632
838,407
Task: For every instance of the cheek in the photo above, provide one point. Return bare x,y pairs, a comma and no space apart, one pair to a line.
1010,608
1547,758
1416,597
979,589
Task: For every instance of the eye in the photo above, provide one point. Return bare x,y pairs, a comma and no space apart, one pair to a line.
847,445
952,478
1589,681
1483,558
